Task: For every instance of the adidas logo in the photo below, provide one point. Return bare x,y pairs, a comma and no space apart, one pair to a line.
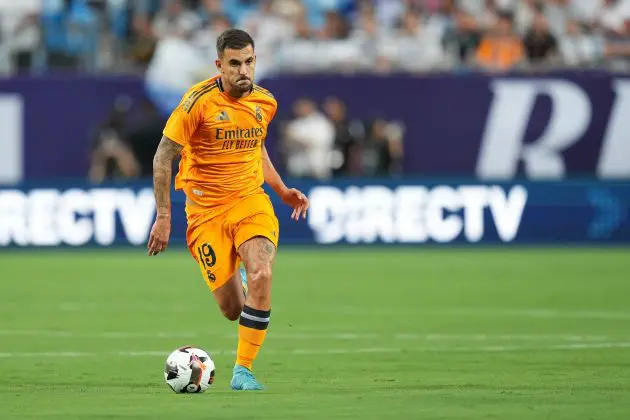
223,116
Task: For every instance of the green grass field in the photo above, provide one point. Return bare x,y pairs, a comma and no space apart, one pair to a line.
427,333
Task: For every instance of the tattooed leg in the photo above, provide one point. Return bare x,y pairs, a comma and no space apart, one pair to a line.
258,255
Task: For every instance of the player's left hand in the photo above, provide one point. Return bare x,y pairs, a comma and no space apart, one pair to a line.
298,201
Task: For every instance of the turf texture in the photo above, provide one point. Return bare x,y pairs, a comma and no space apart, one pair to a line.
361,333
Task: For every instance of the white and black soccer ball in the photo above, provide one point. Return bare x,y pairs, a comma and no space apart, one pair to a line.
189,370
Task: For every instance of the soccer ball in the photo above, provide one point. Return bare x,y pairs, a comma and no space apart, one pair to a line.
189,370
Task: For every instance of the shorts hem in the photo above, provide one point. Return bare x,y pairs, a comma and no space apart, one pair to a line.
273,240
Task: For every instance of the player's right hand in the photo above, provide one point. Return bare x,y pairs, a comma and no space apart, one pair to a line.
160,232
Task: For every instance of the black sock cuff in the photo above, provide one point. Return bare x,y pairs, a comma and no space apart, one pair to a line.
254,318
256,312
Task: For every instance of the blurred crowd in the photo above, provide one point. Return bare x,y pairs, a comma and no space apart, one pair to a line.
172,44
315,35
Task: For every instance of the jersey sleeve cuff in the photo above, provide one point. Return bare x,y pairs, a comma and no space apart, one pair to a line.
174,138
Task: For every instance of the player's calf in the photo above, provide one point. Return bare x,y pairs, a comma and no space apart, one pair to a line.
231,311
230,297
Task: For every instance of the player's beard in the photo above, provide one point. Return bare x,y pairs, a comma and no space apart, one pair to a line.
241,86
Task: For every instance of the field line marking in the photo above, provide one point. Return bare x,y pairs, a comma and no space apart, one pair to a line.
382,350
102,334
473,311
346,310
543,313
403,336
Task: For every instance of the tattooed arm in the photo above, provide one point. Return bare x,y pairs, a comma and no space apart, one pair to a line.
290,196
162,172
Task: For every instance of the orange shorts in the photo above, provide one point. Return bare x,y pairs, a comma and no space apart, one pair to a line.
214,240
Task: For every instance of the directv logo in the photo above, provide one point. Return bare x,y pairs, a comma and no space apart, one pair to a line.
414,214
50,217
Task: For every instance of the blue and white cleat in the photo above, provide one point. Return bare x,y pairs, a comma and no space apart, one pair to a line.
243,380
244,281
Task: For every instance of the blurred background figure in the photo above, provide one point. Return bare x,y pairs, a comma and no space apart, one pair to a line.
579,48
177,62
500,48
383,149
125,142
308,142
377,158
346,157
112,158
143,133
541,46
20,35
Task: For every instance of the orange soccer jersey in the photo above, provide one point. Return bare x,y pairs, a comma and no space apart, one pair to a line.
222,138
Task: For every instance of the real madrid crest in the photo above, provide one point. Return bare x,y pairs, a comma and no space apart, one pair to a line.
258,114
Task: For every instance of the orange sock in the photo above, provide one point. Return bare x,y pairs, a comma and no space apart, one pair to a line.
252,330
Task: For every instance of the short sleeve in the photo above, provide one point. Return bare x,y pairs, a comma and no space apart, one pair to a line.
272,111
184,120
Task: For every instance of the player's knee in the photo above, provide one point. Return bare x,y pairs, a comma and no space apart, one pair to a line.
260,279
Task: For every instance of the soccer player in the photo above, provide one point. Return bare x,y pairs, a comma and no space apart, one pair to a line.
219,128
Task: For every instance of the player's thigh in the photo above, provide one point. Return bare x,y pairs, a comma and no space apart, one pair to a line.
213,249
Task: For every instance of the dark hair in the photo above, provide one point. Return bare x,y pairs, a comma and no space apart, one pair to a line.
233,39
506,15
